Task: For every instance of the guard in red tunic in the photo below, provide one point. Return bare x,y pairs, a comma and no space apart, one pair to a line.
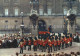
35,45
68,42
59,44
46,41
49,46
65,42
43,46
55,45
29,44
25,42
40,44
21,46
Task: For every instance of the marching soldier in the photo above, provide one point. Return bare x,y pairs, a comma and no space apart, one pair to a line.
68,41
65,41
55,45
29,44
49,46
25,42
40,44
59,44
46,41
43,46
21,47
35,45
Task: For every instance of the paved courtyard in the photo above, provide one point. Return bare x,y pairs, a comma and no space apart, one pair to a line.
12,51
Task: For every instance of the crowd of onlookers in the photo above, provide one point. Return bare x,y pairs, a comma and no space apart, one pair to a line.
76,37
10,42
52,54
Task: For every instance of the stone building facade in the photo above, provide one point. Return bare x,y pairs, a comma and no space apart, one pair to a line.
51,12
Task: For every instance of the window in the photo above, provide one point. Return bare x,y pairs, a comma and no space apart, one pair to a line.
16,12
6,1
6,26
41,11
6,12
6,21
69,0
16,1
16,21
49,11
65,11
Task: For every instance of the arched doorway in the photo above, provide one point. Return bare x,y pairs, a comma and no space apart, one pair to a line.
41,25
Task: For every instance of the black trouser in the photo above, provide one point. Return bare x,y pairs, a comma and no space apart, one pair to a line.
43,48
62,45
66,45
40,47
71,43
21,50
58,47
29,47
35,48
49,49
55,48
24,47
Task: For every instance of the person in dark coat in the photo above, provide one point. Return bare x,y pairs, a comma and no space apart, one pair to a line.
49,46
35,45
55,45
29,44
15,44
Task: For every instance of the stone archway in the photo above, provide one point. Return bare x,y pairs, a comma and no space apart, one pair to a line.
41,25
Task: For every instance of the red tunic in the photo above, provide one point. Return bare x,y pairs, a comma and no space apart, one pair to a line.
65,39
35,43
70,39
59,42
50,44
55,43
38,41
44,43
25,42
29,42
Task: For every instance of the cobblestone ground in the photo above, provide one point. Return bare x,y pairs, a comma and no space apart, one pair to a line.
12,51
